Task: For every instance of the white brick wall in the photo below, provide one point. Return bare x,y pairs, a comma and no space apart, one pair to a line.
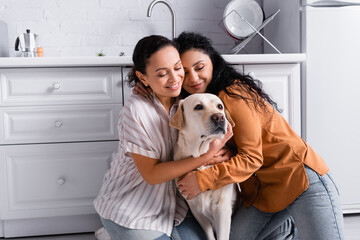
85,27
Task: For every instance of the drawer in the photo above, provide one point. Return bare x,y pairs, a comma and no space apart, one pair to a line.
59,124
48,180
60,85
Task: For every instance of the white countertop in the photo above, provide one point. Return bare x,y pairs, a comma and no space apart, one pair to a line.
14,62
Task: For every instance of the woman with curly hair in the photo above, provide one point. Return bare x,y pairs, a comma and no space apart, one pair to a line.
279,173
282,178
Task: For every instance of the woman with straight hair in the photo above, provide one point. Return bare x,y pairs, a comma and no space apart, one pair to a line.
139,199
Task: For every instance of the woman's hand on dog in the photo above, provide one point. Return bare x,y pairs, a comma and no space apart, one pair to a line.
223,155
216,153
188,185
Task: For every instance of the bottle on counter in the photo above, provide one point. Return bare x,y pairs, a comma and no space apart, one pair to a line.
39,51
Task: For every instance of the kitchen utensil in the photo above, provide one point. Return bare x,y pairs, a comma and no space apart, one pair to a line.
26,44
245,41
235,13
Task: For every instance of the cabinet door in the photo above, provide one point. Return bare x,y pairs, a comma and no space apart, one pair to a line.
48,180
48,86
126,88
282,83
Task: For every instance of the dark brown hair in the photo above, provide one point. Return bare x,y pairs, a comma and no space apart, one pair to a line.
144,49
224,75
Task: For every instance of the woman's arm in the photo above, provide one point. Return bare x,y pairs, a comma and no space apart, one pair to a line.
188,184
248,139
154,172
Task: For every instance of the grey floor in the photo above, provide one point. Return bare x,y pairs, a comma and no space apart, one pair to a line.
352,232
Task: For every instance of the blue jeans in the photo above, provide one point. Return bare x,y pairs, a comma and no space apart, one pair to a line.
316,212
189,229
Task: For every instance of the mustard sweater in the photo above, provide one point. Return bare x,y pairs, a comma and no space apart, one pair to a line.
270,159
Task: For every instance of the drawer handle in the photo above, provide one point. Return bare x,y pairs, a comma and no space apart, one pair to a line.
56,86
58,124
61,181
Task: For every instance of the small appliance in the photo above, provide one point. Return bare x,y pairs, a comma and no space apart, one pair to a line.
26,44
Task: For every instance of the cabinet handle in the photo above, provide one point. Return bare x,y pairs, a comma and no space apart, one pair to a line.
58,124
61,181
56,86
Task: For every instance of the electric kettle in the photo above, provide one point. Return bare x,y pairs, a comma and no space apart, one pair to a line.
26,44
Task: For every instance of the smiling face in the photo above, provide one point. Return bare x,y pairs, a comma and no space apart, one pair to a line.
198,71
164,73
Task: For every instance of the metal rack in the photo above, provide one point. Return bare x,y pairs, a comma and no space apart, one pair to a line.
241,43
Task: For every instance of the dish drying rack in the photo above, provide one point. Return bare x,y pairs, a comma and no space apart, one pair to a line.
241,43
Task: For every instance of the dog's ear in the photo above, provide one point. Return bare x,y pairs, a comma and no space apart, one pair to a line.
228,117
177,120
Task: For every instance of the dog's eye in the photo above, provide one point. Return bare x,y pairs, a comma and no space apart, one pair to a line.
220,107
198,107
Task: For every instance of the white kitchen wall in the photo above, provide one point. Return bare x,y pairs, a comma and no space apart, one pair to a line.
86,27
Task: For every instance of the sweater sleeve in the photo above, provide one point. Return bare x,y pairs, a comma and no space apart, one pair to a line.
248,139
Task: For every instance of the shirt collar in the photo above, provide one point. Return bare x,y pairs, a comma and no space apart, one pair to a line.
157,103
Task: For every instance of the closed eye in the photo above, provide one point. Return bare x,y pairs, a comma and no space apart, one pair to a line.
198,107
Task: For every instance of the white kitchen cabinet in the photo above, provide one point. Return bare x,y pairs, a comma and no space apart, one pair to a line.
58,121
57,135
52,179
282,83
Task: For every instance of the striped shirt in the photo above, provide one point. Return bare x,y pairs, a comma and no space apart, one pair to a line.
125,198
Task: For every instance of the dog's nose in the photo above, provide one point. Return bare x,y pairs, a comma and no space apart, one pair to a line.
217,118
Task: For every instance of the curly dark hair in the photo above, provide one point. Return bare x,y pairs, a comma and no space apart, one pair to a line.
143,50
224,75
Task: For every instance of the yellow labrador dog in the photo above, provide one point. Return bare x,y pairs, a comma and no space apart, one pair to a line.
200,119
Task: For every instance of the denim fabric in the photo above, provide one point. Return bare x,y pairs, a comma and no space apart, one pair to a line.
316,213
250,224
189,229
118,232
